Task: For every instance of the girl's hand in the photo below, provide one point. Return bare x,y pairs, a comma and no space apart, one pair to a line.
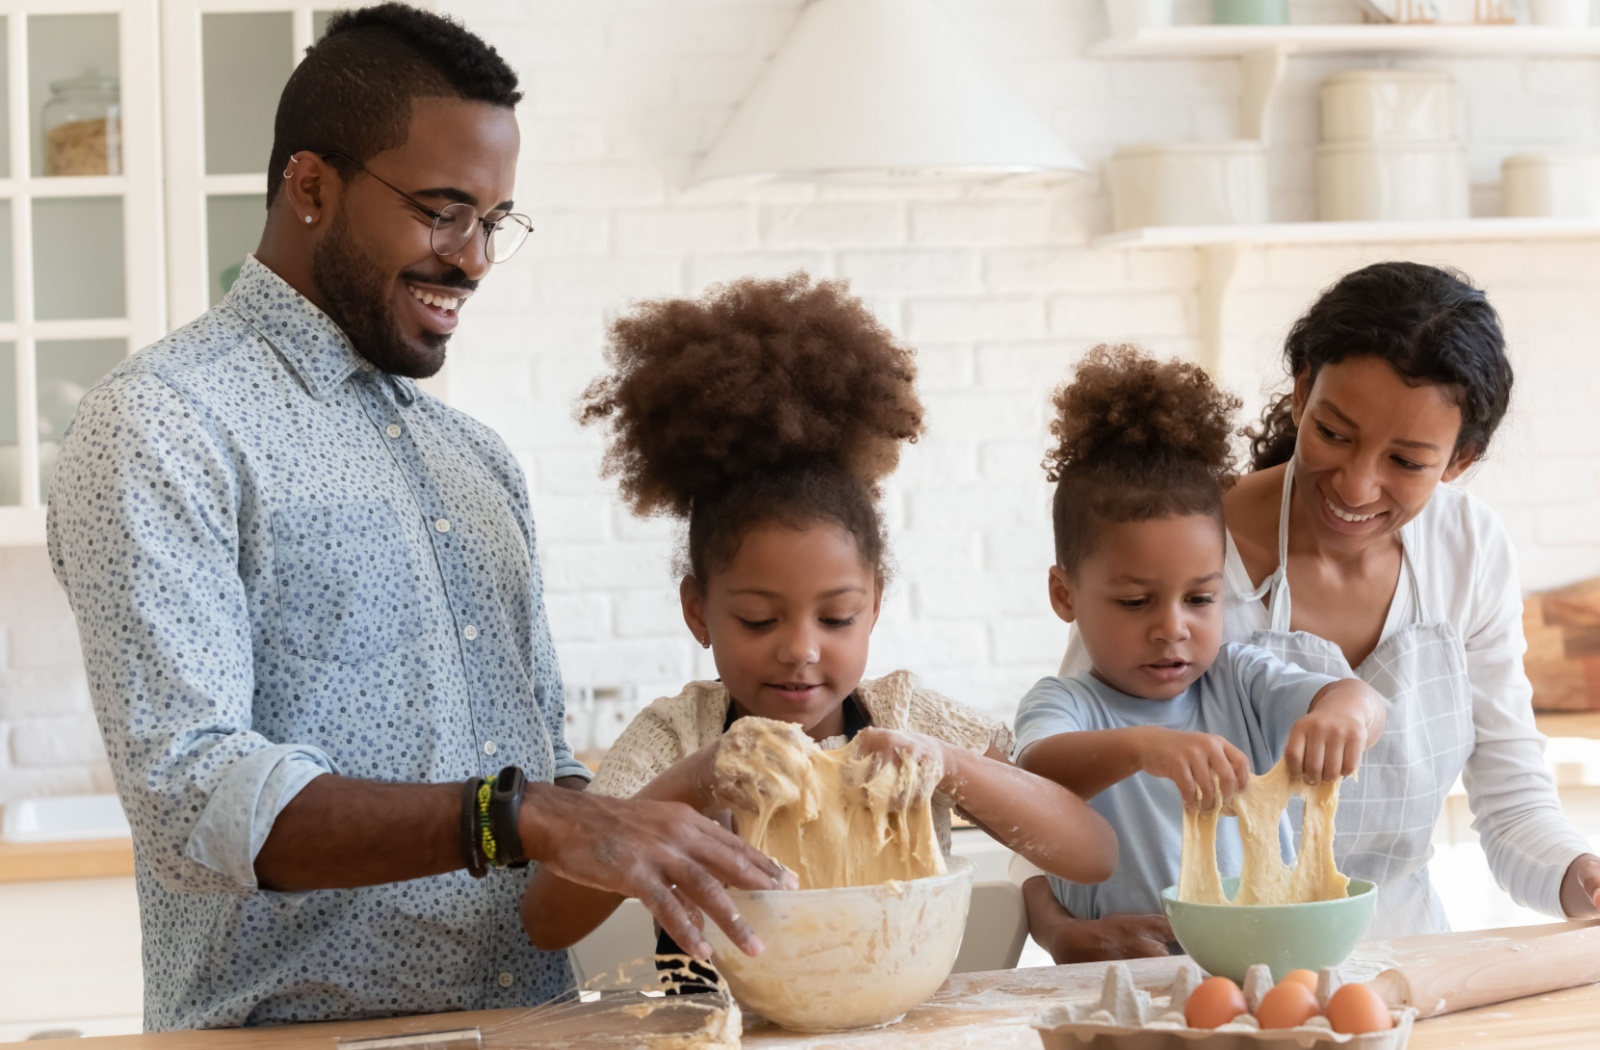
1328,741
919,758
1207,769
759,763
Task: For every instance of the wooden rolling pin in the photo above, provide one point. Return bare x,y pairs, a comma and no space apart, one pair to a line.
1440,975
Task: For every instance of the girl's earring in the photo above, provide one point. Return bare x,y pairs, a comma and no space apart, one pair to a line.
705,643
309,220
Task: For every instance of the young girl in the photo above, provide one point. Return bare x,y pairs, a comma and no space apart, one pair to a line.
765,415
1168,716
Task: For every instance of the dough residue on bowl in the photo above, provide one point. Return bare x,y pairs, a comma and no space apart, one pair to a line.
834,818
1265,878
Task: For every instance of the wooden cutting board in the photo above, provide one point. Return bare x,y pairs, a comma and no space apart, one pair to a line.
1444,974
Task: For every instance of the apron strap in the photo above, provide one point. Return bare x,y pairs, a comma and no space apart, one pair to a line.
1277,582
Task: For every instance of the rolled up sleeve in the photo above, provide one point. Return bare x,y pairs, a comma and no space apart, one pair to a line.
143,535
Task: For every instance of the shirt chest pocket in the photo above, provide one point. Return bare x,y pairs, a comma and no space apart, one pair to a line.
346,584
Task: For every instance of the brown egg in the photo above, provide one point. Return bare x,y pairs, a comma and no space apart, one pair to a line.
1305,977
1356,1009
1216,1002
1288,1005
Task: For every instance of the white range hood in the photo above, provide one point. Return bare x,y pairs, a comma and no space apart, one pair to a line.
878,91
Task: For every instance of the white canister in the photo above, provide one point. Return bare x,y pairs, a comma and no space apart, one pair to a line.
1189,184
1571,13
1558,184
1392,182
1389,105
1129,16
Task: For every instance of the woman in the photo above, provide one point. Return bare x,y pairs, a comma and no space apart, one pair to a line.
1347,555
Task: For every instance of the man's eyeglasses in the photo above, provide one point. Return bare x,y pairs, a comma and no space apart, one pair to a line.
454,224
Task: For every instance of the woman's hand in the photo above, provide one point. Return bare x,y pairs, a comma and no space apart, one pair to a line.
1207,769
1114,937
1328,741
1580,888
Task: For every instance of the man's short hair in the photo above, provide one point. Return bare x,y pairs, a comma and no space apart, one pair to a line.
353,93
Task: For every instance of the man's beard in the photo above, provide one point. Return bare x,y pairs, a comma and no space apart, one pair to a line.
355,294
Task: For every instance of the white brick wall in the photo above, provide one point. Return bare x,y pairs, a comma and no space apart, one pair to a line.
49,743
995,285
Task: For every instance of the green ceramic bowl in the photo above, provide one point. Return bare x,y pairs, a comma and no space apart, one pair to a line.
1227,939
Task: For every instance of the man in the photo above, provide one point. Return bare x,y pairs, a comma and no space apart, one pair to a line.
309,596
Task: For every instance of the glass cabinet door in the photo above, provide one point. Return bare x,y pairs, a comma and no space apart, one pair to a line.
227,62
82,265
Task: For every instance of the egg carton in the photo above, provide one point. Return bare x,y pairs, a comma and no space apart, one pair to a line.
1126,1017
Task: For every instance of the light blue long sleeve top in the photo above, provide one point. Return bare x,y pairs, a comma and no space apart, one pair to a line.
283,564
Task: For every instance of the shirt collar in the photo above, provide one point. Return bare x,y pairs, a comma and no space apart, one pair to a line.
308,339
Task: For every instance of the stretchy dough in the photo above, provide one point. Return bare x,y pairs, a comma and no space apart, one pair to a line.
829,816
1265,878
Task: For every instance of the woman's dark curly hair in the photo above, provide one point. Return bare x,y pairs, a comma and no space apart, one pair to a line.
1136,439
765,400
1430,325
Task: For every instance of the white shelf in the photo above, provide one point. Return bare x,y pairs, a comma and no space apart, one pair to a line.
1291,233
1216,41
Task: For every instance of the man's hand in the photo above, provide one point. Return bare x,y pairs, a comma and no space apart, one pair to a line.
1328,741
1114,937
1207,769
1580,888
672,859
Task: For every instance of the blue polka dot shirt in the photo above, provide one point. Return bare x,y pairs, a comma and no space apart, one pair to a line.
284,563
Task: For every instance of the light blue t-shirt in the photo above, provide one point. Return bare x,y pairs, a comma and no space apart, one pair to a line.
1249,697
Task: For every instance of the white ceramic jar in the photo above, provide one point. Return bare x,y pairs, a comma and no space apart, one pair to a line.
1129,16
1189,184
1392,182
1556,184
1569,13
1389,105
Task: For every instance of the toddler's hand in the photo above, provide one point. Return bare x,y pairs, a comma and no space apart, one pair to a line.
1328,741
1206,768
920,756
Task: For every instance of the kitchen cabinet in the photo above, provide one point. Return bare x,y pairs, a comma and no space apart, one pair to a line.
94,266
81,243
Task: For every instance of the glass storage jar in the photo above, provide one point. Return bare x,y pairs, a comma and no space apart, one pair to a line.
83,126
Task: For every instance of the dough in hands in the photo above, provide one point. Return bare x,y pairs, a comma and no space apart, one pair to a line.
1265,878
834,818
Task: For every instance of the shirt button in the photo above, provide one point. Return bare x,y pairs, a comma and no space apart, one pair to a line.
490,747
507,980
441,525
393,430
471,632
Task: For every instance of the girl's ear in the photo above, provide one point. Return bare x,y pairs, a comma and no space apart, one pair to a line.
693,598
1061,594
877,599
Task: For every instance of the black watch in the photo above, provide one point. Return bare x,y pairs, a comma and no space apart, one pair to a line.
505,804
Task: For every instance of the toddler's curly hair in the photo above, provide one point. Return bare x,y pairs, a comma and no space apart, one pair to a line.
764,400
1136,439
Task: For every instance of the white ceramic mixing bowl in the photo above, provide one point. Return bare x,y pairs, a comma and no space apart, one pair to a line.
847,958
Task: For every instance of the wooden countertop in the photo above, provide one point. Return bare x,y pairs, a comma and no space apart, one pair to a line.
991,1010
85,859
